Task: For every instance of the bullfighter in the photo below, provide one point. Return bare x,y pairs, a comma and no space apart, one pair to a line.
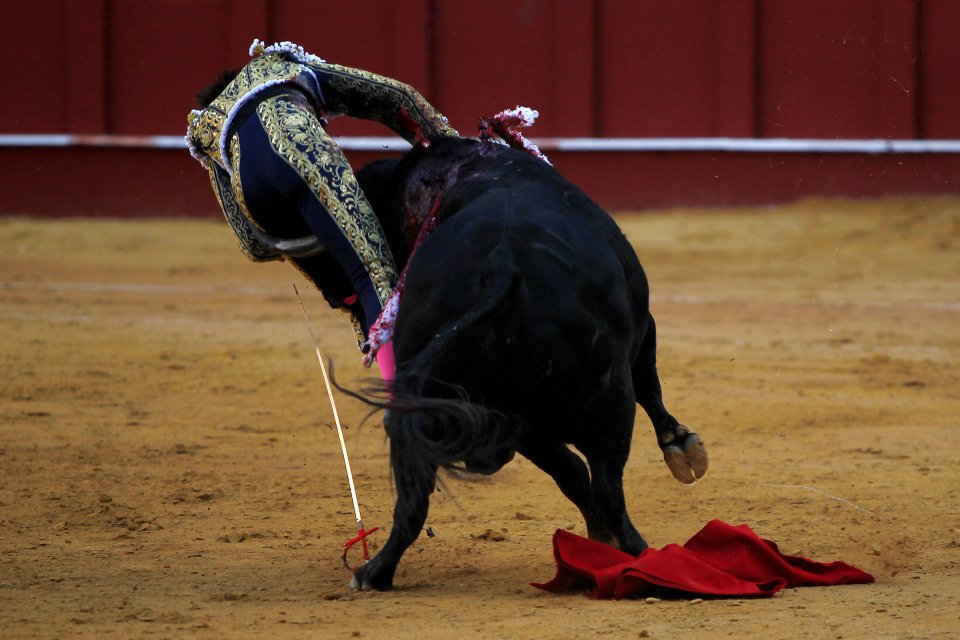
285,186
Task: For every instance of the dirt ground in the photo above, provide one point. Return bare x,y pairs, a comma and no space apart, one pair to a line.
167,467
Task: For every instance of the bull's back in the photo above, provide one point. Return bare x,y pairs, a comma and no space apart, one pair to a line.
535,288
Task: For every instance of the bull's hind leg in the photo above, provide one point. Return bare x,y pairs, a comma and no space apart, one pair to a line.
683,450
571,475
597,493
607,448
415,480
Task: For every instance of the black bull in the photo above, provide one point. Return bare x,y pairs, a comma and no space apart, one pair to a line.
524,327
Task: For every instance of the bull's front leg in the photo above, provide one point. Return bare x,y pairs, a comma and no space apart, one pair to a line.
415,481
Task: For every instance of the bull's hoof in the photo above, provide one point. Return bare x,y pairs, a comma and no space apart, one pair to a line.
366,578
358,586
687,458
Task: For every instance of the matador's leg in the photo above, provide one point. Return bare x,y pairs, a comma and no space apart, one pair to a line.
300,166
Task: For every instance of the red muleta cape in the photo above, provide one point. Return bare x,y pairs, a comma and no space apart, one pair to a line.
721,560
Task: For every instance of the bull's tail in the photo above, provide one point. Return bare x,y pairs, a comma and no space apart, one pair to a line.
437,421
435,432
434,422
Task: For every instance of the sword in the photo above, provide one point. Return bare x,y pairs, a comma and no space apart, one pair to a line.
362,533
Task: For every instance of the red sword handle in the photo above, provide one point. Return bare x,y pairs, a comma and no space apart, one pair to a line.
361,537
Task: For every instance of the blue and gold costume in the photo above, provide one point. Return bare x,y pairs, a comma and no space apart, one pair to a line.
281,180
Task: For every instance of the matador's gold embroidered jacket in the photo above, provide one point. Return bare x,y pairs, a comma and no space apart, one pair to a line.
300,138
333,88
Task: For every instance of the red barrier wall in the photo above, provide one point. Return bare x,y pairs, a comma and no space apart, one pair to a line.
593,68
603,68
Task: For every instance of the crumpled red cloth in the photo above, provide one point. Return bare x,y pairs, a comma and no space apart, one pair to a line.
722,560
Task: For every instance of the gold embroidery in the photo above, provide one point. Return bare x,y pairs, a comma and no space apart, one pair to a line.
265,70
362,94
297,136
205,132
359,93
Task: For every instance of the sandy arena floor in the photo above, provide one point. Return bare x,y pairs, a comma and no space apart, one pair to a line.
166,468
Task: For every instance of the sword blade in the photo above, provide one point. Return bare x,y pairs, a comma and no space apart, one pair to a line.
336,415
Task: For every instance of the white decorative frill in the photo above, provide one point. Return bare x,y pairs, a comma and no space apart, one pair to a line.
298,53
194,152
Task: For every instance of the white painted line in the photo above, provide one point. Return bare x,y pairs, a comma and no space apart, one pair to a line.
750,145
359,143
578,145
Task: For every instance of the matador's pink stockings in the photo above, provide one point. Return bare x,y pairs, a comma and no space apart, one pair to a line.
388,368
